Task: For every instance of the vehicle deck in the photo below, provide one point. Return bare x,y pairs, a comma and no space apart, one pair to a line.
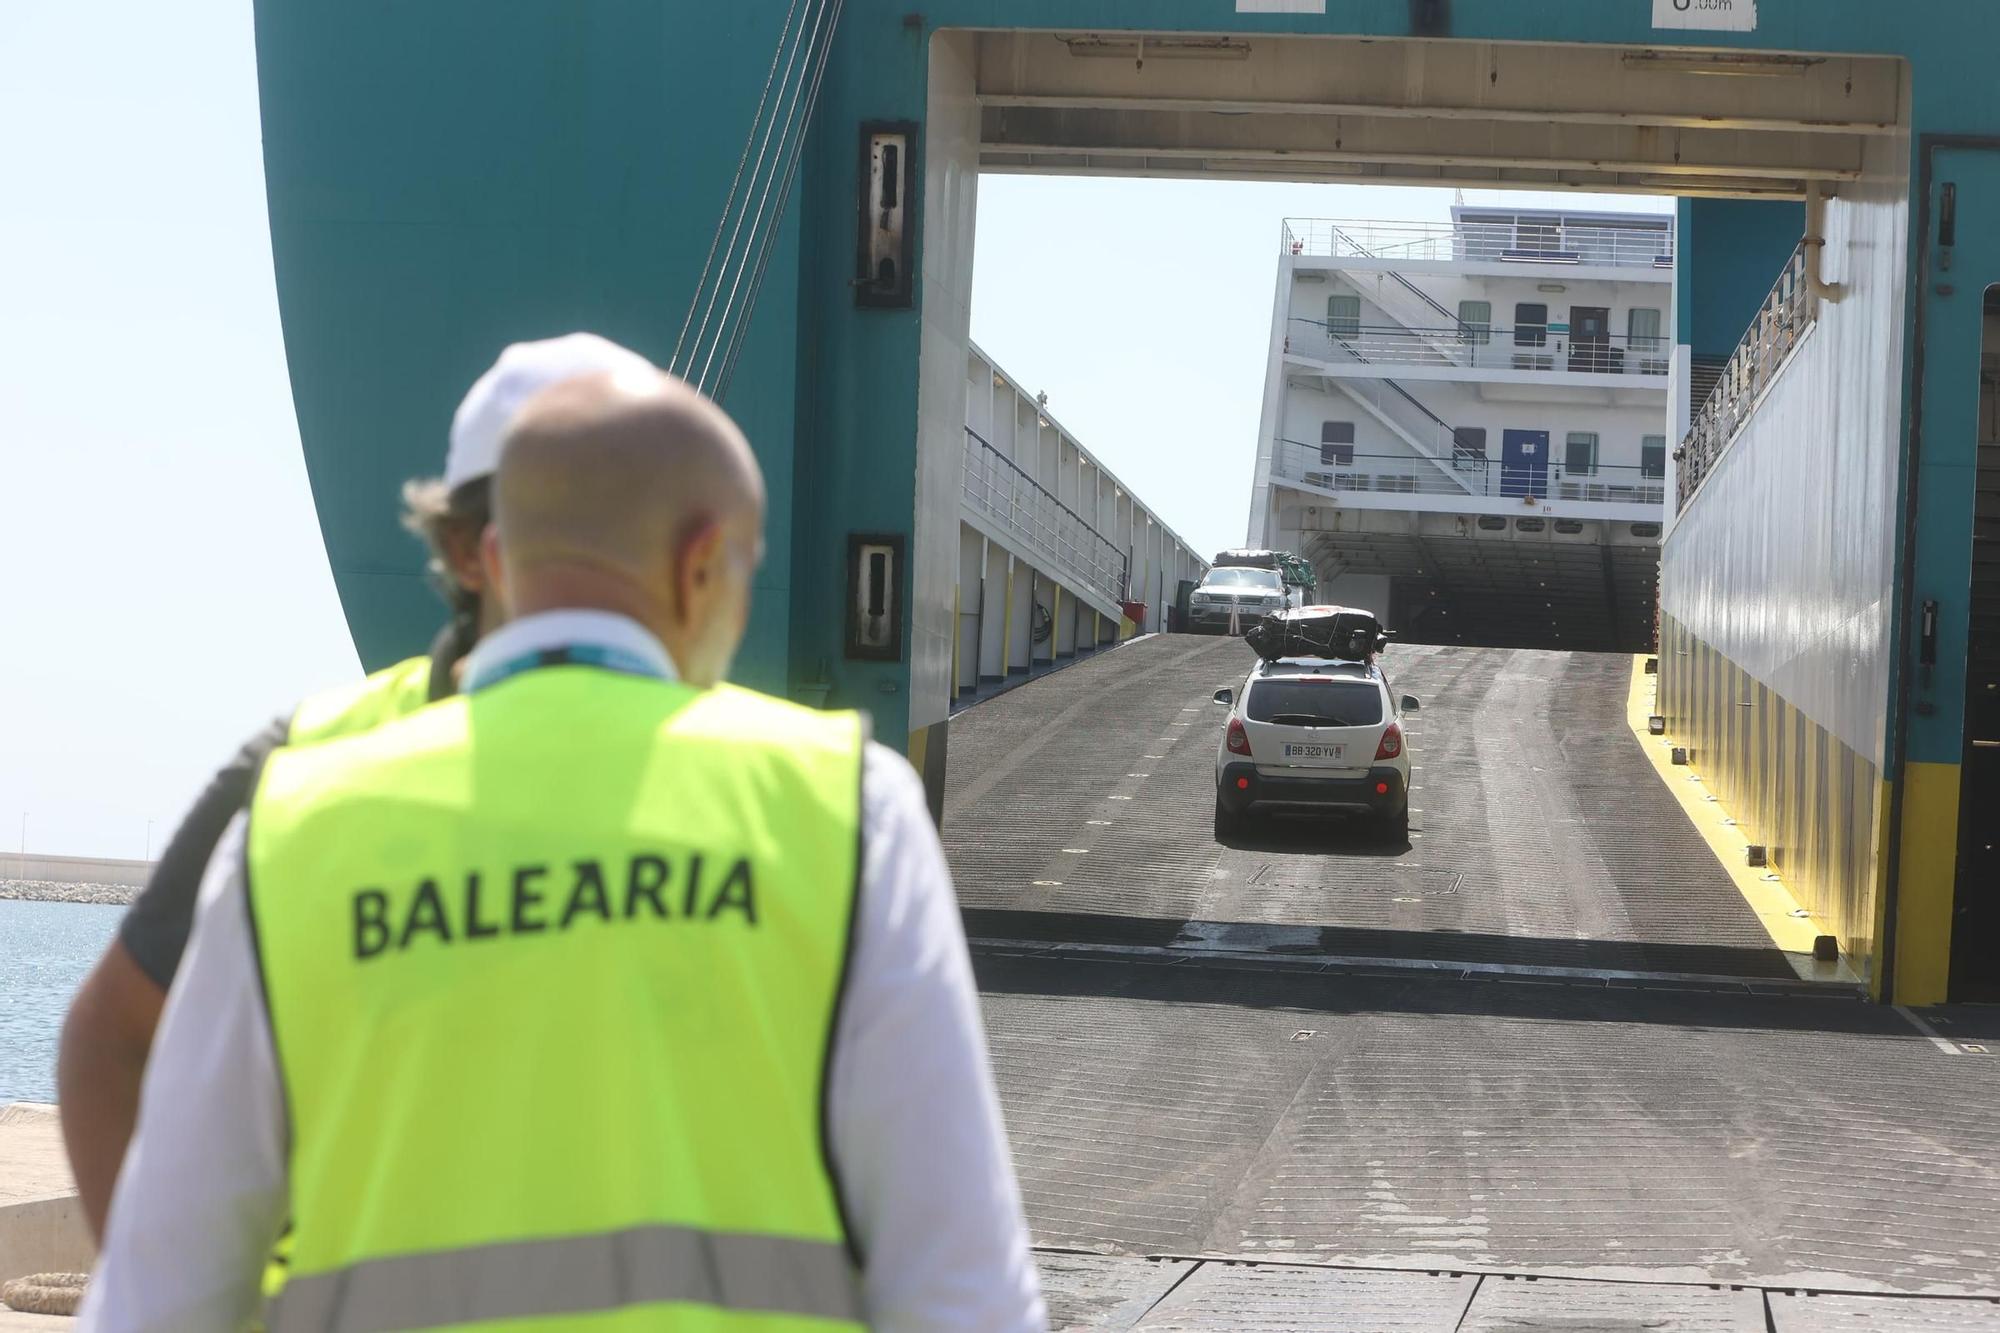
1080,810
1414,1087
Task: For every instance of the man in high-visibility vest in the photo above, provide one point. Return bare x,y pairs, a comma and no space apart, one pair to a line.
601,995
109,1031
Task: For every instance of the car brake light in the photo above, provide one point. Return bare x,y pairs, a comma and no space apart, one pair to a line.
1392,742
1239,740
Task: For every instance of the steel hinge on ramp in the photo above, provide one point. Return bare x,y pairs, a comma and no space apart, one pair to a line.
1088,1290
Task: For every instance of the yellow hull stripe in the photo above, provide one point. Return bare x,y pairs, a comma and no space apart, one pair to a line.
1928,882
1772,903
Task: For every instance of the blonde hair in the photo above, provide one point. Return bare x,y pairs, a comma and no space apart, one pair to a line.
437,515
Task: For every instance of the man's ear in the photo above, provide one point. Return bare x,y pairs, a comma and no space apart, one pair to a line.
694,562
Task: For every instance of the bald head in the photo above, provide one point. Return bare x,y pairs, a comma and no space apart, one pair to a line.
631,492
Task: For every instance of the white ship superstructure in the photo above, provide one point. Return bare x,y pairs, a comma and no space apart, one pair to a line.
1465,424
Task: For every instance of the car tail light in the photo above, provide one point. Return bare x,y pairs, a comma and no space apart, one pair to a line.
1239,740
1392,742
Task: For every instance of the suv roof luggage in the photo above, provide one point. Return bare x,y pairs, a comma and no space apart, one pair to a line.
1342,633
1253,559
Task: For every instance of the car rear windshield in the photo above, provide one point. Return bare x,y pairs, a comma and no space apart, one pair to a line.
1243,578
1318,703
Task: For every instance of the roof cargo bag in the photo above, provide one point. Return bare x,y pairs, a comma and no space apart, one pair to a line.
1317,631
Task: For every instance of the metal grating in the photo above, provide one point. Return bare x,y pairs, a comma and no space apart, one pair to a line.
1311,1300
1511,1305
1679,1136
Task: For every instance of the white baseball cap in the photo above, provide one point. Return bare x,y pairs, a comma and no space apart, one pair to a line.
479,427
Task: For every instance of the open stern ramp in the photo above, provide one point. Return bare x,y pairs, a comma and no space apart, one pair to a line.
1080,811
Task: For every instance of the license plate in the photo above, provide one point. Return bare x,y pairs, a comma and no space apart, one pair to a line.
1314,751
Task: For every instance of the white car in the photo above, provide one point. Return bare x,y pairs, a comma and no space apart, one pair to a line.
1314,735
1250,593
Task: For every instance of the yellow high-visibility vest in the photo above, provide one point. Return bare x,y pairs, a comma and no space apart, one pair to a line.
379,697
553,971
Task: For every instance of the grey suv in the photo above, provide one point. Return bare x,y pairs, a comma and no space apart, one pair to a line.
1249,593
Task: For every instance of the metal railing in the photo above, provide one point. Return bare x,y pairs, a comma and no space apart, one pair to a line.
1335,467
1424,430
995,485
1477,347
1522,242
1787,314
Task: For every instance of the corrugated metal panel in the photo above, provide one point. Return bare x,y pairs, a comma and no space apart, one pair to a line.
1784,561
1802,793
1777,579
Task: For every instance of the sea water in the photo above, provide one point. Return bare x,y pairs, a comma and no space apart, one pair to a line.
45,949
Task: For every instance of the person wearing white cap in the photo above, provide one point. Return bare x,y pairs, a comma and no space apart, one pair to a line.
450,512
108,1034
602,995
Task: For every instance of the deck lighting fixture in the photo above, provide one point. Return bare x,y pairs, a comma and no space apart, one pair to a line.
1720,62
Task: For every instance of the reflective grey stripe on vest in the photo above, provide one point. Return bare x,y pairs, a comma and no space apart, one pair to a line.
575,1275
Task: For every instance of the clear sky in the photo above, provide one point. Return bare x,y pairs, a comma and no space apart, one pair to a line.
165,589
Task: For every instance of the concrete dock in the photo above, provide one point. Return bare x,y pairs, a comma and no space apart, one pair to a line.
41,1223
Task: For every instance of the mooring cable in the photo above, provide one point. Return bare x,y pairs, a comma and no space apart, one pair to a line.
727,371
763,233
733,204
742,160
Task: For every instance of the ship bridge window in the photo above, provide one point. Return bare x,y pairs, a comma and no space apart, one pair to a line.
1475,322
1653,456
1580,454
1336,444
1538,234
1343,316
1468,447
1643,327
1531,325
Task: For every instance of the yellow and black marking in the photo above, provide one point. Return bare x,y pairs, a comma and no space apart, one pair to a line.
1791,785
1777,911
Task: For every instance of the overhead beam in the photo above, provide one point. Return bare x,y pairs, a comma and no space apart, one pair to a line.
1545,83
1136,166
1241,107
1654,167
1394,110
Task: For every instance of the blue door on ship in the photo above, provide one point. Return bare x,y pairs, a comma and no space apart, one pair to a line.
1524,462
